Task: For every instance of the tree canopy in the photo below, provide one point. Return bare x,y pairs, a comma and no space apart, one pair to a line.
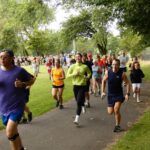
89,24
130,13
19,19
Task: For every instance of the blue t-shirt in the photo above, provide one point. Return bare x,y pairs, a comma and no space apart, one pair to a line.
12,98
95,72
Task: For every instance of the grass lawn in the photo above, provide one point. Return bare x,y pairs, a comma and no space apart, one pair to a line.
41,99
137,138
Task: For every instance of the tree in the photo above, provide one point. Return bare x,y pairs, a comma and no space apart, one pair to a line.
130,13
91,24
24,17
131,42
113,43
8,39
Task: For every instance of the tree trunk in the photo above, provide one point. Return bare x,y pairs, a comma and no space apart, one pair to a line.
102,49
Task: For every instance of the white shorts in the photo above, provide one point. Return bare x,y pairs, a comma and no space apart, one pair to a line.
136,85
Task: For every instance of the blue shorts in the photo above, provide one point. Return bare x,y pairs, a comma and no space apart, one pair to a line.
113,99
14,116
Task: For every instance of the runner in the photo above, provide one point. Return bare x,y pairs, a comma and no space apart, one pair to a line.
136,76
89,64
96,77
77,71
123,61
13,80
57,77
115,76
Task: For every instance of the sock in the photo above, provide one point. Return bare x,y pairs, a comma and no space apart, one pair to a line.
138,98
77,118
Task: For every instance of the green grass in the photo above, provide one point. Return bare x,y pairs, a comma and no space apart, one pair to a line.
145,68
41,100
137,138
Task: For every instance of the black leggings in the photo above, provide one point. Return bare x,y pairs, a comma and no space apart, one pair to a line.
79,93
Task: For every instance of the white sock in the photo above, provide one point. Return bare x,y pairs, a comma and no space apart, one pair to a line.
134,95
77,118
83,109
138,98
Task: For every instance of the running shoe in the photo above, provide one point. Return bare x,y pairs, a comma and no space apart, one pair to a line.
30,117
61,107
76,122
117,129
57,103
103,96
83,109
24,120
88,105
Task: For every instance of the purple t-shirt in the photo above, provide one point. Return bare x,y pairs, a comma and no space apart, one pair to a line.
12,98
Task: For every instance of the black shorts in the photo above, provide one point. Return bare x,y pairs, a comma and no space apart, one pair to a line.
115,98
57,87
87,87
123,69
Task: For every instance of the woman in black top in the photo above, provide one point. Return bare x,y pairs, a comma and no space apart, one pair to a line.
136,76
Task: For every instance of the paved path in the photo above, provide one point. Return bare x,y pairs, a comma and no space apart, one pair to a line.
55,130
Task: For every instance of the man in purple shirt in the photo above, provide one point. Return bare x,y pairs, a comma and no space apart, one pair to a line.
13,81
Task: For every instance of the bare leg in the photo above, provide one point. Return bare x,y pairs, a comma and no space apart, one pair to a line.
11,130
117,113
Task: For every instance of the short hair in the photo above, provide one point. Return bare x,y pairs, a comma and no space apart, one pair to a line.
9,52
118,61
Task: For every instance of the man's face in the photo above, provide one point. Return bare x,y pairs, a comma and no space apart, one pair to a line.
115,65
5,59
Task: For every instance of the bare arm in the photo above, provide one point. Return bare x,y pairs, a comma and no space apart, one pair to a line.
104,83
20,84
128,85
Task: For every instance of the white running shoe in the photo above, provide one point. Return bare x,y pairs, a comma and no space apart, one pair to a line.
76,121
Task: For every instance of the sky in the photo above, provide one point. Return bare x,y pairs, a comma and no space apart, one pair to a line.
62,15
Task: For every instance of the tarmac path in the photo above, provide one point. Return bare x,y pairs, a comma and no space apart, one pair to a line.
55,129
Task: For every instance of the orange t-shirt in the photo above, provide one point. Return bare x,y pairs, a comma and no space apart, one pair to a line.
56,74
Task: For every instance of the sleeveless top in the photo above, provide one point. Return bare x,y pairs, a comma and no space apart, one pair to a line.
115,83
56,74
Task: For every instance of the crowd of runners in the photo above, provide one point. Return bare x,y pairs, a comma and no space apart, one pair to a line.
89,74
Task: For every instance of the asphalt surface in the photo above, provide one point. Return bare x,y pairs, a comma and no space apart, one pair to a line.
55,130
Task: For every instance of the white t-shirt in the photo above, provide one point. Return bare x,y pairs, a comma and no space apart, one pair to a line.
123,61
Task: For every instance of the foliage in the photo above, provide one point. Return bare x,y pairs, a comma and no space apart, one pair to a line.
113,44
130,13
8,39
89,24
131,42
22,18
